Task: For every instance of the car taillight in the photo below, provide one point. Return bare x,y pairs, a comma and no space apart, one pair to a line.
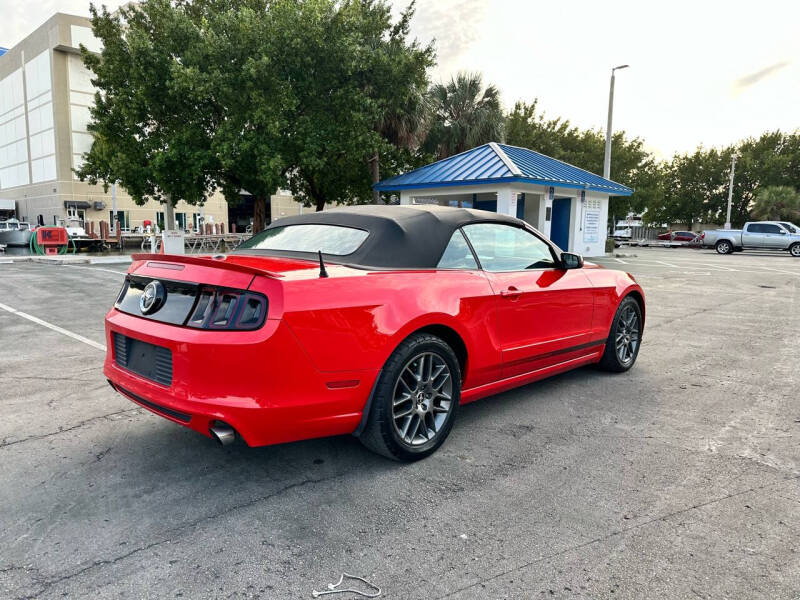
228,309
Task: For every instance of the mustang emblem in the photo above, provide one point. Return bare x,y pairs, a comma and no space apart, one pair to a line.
152,298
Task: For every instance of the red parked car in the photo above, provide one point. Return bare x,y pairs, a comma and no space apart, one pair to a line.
678,236
373,320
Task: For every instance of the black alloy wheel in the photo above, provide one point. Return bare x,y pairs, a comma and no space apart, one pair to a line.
415,401
625,337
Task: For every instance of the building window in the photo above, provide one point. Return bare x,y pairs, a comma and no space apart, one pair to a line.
197,219
123,216
180,220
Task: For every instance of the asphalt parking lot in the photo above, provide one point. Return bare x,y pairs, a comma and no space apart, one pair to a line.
679,479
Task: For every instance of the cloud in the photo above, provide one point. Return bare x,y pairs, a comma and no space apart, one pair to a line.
455,25
21,17
753,78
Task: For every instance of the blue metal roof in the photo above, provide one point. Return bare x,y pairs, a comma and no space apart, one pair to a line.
499,163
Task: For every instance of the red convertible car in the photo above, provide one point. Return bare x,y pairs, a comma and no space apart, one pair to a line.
373,320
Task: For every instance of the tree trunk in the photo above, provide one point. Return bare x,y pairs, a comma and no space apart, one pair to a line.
313,192
259,213
375,171
169,215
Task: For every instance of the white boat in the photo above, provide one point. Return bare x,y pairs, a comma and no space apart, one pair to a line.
15,233
74,227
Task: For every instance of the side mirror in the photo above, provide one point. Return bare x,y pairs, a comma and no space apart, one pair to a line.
570,260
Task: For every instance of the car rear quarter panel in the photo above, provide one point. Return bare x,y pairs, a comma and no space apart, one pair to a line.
356,321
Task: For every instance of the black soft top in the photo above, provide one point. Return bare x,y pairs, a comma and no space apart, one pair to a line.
400,237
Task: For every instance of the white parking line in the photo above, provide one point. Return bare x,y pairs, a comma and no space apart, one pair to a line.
619,260
690,264
720,267
96,269
779,271
56,328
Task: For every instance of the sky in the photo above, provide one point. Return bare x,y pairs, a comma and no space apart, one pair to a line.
702,72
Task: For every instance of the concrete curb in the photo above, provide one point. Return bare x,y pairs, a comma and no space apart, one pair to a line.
111,260
60,260
68,260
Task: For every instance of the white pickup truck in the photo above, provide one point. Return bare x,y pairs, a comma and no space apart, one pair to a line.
764,235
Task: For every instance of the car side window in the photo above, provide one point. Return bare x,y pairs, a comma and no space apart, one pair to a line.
755,228
768,228
457,255
507,248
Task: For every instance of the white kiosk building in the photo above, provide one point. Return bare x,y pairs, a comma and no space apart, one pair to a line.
567,204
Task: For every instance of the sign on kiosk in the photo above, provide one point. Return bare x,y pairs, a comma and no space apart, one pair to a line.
172,242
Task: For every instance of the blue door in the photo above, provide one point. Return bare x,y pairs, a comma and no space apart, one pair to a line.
559,226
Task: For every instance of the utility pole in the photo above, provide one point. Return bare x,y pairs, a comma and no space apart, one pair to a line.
730,193
607,157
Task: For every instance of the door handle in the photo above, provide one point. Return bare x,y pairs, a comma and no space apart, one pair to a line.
512,293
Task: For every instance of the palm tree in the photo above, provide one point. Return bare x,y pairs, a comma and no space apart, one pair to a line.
776,202
405,126
464,115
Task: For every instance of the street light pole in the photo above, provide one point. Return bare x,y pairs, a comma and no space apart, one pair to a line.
730,193
607,158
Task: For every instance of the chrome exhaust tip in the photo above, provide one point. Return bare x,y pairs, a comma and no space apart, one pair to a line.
224,434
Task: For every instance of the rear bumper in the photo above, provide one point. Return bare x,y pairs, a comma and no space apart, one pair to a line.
262,383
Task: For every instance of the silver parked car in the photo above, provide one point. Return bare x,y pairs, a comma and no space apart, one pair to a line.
765,235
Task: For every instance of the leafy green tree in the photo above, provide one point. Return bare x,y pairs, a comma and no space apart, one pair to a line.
777,203
187,102
695,185
139,122
632,165
764,161
401,89
243,104
353,81
464,115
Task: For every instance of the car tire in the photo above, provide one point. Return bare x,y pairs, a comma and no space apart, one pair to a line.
724,247
394,424
794,250
626,330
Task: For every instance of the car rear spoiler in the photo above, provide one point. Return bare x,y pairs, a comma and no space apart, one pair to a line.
206,261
